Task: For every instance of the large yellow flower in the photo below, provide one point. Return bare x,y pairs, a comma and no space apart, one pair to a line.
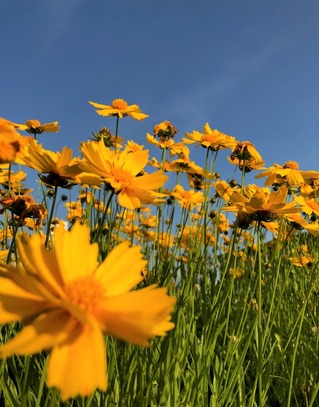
35,127
68,301
123,172
11,143
119,108
55,164
289,174
213,139
260,205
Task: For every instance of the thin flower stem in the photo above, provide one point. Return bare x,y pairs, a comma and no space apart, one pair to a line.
51,216
259,322
102,221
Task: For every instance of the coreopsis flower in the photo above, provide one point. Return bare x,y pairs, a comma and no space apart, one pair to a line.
223,189
14,180
187,199
110,140
122,172
213,139
301,261
167,144
119,108
308,206
11,143
298,222
55,164
67,301
246,157
132,147
181,150
289,174
22,207
35,127
165,130
260,205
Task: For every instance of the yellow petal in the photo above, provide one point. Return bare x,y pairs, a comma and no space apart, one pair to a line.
16,303
78,366
47,331
138,315
121,270
37,260
75,255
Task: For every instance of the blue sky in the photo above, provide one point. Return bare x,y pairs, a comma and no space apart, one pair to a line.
250,68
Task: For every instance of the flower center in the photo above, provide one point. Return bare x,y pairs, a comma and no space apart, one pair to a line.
292,165
86,292
121,176
211,138
119,104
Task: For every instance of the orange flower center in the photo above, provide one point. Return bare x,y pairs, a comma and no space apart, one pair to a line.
211,138
119,104
121,176
292,165
86,292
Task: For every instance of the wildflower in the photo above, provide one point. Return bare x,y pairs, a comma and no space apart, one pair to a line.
56,165
109,139
308,206
165,131
68,301
122,172
13,180
11,143
187,199
164,144
23,206
298,222
259,204
289,174
246,157
213,139
35,127
119,108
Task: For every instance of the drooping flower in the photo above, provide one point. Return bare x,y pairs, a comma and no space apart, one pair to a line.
288,174
123,172
119,108
246,157
55,164
213,139
260,205
187,199
11,143
35,127
22,207
67,301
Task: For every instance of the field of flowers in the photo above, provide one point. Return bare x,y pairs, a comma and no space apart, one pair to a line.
131,280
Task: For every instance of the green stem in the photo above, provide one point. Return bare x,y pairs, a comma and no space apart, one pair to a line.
51,216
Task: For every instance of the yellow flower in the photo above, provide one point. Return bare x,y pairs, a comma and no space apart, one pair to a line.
119,108
259,204
165,131
56,165
162,143
213,139
246,157
67,301
35,127
288,173
187,199
123,172
11,143
23,206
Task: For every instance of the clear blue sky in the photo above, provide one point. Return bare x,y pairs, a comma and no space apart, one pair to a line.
250,68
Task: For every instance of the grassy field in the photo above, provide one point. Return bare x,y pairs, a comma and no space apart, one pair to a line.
240,260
